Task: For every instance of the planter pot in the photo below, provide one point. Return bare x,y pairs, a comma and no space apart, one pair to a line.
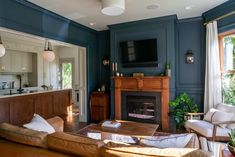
231,149
168,72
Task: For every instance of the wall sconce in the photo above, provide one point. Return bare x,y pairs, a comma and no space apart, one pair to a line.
189,57
106,62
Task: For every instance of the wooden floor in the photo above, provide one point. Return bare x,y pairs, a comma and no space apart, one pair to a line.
72,124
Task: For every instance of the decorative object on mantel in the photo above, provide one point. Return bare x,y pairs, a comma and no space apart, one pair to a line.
168,69
138,74
231,142
2,48
113,7
48,53
189,57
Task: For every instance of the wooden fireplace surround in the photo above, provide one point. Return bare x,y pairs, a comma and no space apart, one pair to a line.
145,84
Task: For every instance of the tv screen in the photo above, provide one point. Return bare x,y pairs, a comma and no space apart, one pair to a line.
139,53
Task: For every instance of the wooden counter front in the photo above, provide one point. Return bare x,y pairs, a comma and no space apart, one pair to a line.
20,109
145,84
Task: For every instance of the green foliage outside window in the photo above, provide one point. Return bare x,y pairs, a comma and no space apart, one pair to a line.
228,77
67,75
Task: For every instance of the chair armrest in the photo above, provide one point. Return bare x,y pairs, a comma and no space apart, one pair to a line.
225,122
195,114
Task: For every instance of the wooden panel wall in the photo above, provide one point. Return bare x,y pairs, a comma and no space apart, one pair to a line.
20,109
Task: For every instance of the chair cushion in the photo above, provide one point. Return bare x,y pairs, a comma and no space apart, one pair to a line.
228,108
205,128
22,135
209,114
222,116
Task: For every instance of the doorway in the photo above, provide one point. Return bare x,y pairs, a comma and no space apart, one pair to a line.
72,70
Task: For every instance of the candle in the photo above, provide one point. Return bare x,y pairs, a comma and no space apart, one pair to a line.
116,67
113,67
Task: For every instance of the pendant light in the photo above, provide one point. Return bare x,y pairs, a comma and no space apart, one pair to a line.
48,53
2,48
113,7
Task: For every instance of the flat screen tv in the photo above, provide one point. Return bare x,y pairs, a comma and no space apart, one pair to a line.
139,53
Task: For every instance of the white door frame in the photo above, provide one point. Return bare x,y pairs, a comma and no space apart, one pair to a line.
82,87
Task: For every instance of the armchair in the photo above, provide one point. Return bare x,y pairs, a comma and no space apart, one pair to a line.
212,130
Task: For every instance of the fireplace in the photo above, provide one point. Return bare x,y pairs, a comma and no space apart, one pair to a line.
141,106
150,86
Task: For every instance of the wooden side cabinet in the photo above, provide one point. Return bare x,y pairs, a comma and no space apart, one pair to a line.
99,106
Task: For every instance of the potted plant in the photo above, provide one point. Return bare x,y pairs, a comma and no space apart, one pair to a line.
231,142
182,105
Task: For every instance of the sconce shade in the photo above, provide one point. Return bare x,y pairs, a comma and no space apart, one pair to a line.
2,49
48,53
189,57
113,7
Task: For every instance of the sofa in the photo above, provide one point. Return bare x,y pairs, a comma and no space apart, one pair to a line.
16,141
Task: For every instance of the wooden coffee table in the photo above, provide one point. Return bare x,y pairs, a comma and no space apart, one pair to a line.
129,128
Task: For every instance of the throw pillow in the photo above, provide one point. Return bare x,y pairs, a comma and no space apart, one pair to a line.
39,124
171,141
221,116
209,114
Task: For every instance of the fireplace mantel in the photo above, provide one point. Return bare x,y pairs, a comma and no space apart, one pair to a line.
146,84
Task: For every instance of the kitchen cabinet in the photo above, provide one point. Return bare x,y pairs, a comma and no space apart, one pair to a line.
5,63
14,61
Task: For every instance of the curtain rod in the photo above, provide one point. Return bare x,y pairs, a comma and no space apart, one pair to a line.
221,17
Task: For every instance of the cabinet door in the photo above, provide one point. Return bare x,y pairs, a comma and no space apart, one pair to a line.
97,113
5,63
26,65
16,61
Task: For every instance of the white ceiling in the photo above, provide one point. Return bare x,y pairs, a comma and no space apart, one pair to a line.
87,11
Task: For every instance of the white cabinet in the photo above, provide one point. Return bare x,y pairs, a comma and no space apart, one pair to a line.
5,63
15,61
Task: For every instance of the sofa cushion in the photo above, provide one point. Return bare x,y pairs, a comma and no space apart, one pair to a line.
22,135
57,123
114,150
222,116
74,144
13,149
205,128
39,124
171,141
228,108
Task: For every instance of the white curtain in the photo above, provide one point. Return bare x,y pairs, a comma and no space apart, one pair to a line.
213,94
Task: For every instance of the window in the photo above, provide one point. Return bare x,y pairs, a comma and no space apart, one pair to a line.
227,59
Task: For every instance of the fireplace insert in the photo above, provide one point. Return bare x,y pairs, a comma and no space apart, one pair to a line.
141,106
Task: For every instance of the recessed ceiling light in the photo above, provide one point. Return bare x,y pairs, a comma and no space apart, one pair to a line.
153,6
189,7
92,23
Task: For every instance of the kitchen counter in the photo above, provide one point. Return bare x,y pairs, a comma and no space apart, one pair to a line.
28,92
20,108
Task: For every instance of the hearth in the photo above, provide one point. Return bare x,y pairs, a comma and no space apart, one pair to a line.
141,106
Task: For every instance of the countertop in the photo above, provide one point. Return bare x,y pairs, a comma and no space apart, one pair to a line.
35,92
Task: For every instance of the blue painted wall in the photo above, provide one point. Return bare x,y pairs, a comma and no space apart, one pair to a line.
224,24
26,17
163,29
190,77
104,53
